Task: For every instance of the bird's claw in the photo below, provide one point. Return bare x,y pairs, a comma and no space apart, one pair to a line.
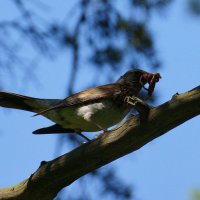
133,100
139,105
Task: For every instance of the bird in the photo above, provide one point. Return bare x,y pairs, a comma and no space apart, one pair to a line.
91,110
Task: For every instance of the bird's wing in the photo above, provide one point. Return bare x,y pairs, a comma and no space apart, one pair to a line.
100,92
86,96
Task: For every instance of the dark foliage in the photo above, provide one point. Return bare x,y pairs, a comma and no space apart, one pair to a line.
194,7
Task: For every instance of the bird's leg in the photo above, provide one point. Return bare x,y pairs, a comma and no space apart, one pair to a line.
99,126
84,136
96,124
81,134
139,105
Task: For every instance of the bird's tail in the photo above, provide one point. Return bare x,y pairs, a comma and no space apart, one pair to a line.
16,101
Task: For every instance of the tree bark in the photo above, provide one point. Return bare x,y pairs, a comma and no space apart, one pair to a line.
129,136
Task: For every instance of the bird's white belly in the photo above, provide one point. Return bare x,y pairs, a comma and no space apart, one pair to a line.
104,114
85,117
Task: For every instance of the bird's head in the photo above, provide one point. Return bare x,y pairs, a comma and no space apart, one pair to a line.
132,76
138,77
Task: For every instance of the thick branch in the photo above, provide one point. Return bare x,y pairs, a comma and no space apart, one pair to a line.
51,177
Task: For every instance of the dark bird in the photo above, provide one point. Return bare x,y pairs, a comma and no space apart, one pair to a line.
91,110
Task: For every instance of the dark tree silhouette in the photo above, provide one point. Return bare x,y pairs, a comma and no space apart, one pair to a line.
194,7
100,34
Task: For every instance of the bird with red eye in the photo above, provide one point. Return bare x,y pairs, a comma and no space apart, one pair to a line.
151,79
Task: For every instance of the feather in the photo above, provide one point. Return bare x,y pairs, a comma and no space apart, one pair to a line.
87,96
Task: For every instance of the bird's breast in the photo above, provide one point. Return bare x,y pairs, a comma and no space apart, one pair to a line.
87,111
105,113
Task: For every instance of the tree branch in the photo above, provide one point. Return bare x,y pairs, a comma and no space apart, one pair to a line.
131,135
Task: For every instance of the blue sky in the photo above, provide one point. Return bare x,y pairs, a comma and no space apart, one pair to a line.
168,167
